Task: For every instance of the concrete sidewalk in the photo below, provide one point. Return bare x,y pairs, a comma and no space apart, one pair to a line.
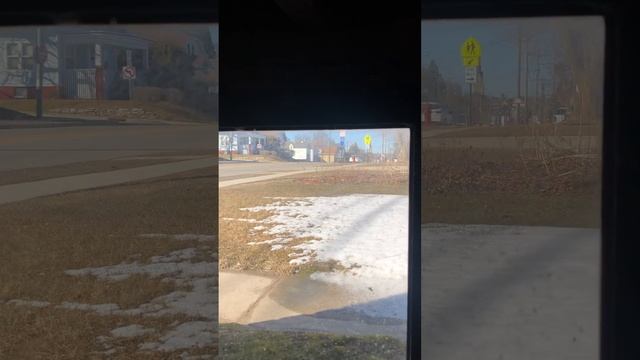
30,190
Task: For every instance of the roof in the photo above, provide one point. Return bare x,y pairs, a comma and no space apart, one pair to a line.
175,35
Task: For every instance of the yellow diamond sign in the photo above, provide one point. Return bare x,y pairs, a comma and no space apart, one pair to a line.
367,139
470,51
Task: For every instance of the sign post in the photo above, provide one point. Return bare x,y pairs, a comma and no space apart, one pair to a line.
343,134
367,141
470,52
129,73
41,58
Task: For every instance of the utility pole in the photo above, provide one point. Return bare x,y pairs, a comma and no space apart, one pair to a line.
519,72
39,74
526,82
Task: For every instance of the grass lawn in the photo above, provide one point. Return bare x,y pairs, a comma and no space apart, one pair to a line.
43,237
235,254
518,130
239,342
507,186
106,108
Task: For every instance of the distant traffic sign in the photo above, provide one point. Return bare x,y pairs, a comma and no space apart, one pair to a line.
367,139
128,72
470,51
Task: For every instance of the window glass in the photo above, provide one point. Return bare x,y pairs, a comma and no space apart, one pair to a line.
511,187
13,49
13,63
314,244
27,50
108,197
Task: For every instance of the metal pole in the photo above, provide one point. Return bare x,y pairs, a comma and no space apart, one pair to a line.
526,83
469,121
38,75
519,72
130,80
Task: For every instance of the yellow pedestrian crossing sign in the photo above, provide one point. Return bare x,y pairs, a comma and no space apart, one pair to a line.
470,51
367,139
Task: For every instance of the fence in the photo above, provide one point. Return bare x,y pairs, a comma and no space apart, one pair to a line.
79,84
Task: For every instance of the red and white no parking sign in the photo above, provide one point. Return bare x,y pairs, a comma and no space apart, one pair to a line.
128,72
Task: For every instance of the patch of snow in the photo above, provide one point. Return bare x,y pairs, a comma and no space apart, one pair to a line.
184,254
187,335
200,300
100,309
131,331
365,233
156,269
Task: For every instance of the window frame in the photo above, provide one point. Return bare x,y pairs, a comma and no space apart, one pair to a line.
19,56
616,334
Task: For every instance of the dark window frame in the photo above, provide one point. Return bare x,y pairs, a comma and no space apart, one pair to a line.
619,270
621,170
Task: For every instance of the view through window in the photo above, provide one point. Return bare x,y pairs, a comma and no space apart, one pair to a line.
511,177
313,244
108,191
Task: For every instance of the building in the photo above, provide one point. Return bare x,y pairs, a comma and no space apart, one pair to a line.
328,154
196,41
303,151
81,62
241,142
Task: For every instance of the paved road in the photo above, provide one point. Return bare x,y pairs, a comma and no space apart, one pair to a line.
510,292
241,169
27,148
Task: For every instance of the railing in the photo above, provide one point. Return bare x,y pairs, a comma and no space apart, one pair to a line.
78,84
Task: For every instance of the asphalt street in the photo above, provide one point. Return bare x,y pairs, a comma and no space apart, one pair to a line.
38,147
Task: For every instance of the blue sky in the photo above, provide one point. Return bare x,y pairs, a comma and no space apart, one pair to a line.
356,136
441,40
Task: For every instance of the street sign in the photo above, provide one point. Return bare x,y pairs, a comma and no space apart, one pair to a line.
470,51
470,75
128,72
367,139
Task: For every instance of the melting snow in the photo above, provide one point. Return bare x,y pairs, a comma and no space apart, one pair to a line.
130,331
188,335
199,301
365,233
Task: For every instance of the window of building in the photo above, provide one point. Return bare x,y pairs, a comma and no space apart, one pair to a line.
19,55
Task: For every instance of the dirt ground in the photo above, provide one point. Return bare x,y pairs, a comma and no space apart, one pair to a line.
41,238
235,254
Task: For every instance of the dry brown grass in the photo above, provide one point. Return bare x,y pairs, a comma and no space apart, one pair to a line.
41,238
155,110
52,334
519,130
509,186
236,254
